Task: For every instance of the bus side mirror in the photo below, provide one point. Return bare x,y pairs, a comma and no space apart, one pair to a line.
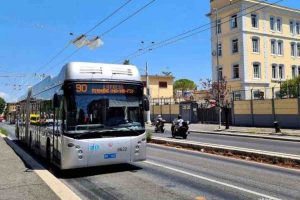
55,101
146,104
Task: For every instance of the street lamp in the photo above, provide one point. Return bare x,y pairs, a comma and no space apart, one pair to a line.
147,83
218,65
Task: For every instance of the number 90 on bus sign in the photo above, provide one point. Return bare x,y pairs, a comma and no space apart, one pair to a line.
81,88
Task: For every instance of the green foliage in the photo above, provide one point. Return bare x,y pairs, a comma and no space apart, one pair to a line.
3,131
148,136
2,105
290,88
126,62
184,85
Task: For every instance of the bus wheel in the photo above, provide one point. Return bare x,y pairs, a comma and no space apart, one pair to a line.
48,155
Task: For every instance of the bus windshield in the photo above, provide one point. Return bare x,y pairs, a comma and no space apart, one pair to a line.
104,107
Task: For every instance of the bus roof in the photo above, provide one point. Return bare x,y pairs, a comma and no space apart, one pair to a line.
86,71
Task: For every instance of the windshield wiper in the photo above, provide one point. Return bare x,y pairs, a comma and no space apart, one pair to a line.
129,129
90,132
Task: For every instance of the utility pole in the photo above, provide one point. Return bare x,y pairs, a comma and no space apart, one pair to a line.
148,95
218,70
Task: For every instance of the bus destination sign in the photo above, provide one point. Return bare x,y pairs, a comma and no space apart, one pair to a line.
104,89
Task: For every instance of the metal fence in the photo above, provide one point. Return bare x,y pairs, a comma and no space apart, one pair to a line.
261,93
211,115
166,101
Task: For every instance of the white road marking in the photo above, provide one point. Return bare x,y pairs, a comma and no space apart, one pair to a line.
60,189
225,157
212,180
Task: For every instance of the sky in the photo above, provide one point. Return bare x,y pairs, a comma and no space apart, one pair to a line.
34,31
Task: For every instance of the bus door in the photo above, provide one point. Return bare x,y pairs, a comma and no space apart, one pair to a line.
57,133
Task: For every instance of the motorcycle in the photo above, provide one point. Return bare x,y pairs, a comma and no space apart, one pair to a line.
181,131
159,126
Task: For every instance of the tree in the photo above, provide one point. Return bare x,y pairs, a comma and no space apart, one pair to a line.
184,85
290,88
2,105
126,62
212,91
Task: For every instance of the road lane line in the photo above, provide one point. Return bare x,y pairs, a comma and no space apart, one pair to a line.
223,157
212,180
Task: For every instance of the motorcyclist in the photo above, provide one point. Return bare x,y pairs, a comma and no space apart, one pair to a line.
159,118
179,121
159,123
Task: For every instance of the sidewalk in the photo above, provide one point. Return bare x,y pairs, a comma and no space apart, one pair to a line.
248,130
241,130
17,181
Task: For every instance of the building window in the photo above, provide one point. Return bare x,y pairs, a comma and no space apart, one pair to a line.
298,49
298,28
255,45
279,24
273,47
162,84
220,73
256,70
281,71
235,46
218,26
292,27
294,71
233,21
236,71
280,47
237,95
274,71
254,20
272,23
293,49
219,49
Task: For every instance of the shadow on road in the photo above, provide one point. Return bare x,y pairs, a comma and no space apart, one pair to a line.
92,171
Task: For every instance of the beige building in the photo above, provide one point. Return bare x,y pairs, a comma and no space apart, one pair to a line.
160,86
259,45
11,111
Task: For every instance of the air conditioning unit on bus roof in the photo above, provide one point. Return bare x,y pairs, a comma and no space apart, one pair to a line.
91,69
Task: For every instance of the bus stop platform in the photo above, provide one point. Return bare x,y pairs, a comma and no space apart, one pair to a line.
18,181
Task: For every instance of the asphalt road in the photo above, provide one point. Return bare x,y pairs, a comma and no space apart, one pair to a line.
245,142
170,173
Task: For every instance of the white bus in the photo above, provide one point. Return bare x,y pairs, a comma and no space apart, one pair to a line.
91,114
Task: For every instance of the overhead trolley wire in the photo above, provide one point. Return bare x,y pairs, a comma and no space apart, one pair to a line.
112,28
177,38
90,30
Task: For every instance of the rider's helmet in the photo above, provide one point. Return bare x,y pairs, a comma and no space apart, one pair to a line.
179,117
158,116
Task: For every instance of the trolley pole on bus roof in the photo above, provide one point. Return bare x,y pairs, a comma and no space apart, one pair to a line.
148,95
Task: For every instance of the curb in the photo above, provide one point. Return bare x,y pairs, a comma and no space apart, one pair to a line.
282,138
264,156
57,186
